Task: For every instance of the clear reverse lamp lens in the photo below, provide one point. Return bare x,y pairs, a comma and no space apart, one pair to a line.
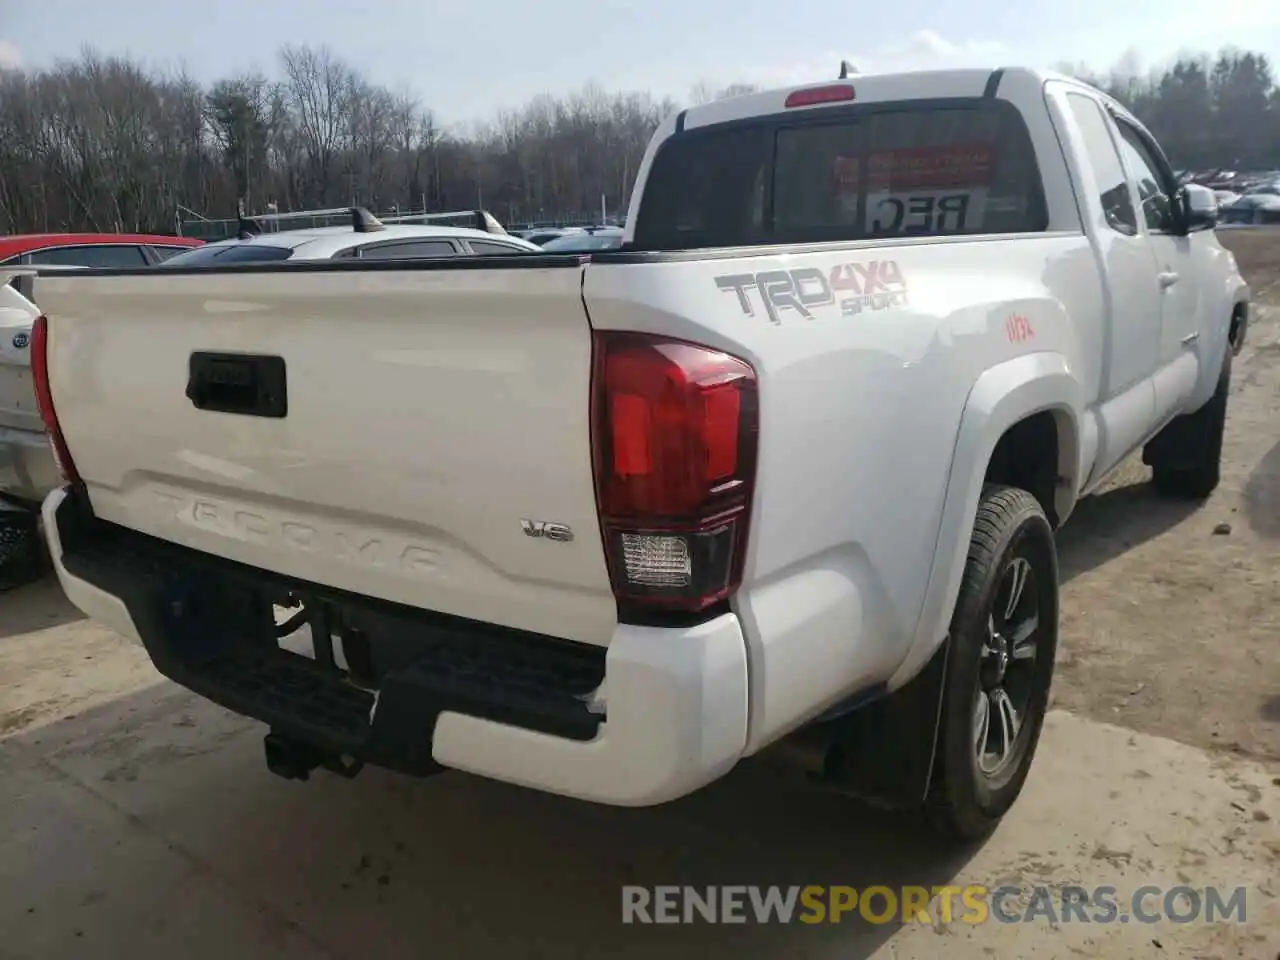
653,560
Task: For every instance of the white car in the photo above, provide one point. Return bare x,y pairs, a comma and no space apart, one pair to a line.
587,241
785,467
27,469
366,239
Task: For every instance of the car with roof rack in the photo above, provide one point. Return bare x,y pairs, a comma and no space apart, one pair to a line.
368,238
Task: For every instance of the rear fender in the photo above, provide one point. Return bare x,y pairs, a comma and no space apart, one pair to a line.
1002,396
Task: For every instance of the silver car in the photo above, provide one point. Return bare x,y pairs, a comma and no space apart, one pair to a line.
370,240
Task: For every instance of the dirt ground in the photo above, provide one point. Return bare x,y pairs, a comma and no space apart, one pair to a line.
1168,627
138,821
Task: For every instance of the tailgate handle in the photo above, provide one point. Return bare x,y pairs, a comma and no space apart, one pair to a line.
243,383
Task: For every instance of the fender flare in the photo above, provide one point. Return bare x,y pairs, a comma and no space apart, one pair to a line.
1001,396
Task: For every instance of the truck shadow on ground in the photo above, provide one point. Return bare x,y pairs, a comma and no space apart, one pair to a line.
1108,524
1262,495
452,866
36,606
1262,510
1270,710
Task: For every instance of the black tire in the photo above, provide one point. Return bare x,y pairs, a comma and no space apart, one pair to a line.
1186,456
965,802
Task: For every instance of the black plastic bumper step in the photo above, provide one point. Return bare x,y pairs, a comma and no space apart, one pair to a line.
276,683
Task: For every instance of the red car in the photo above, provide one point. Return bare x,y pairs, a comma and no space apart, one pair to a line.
90,249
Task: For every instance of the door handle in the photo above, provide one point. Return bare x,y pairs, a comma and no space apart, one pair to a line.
1190,338
246,384
1167,279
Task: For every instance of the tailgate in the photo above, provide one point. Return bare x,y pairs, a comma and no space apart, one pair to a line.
434,420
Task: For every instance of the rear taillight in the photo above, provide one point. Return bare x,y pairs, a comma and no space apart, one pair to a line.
675,430
44,399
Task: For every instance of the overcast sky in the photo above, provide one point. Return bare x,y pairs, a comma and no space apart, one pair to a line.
467,58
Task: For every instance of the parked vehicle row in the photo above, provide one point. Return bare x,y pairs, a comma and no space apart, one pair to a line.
784,468
1246,198
27,470
1258,205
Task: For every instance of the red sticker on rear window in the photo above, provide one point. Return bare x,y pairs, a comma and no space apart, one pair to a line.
846,171
956,165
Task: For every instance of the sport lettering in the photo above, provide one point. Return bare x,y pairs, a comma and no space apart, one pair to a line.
867,285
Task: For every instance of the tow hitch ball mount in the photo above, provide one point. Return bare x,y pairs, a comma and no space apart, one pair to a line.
294,760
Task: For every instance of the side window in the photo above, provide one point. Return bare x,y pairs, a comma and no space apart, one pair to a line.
409,250
1152,184
489,248
164,253
96,255
1117,205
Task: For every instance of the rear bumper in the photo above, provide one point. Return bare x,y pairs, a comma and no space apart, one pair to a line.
27,468
669,710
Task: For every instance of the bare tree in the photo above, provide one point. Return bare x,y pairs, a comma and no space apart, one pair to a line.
320,89
100,143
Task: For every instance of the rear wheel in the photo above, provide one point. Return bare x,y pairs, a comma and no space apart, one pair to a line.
1003,643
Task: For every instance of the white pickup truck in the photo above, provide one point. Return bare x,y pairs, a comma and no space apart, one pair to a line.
785,468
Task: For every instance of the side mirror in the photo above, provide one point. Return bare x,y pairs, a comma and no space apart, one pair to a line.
1199,207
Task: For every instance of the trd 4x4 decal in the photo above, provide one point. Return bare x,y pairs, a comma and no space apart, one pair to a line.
873,285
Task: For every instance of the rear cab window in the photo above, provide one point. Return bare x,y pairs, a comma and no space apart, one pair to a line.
933,168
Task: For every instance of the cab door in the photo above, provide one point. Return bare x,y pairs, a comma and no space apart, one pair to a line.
1154,189
1131,348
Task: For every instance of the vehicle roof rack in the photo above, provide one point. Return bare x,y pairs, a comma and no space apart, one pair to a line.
365,222
473,219
361,219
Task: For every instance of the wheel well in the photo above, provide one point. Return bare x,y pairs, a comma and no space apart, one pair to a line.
1028,456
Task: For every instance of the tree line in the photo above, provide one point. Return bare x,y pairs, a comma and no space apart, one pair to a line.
1207,112
101,143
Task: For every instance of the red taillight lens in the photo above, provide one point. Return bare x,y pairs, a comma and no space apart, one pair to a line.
675,434
44,399
836,93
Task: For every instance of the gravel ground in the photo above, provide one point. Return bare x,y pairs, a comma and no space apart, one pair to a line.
138,821
1169,627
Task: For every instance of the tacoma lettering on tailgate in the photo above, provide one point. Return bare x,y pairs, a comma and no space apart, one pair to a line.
873,285
270,529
